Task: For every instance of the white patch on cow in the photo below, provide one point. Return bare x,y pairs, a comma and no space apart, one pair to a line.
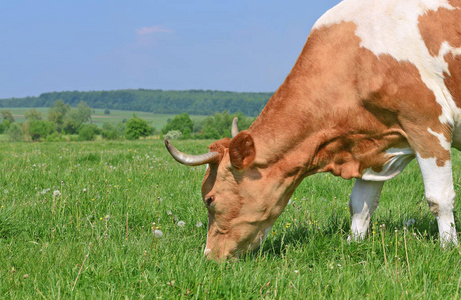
364,201
266,232
398,160
207,230
391,28
443,140
257,243
440,195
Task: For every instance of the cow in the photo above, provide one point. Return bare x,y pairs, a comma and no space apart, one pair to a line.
377,84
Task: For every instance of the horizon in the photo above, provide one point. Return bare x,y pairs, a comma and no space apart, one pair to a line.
130,89
85,46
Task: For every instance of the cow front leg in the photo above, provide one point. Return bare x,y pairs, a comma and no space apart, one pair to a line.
363,202
440,195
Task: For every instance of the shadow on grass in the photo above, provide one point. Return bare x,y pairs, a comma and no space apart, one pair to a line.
338,227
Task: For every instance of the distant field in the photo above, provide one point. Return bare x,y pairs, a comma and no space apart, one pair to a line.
115,116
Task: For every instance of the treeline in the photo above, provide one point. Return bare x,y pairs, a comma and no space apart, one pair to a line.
193,102
66,123
75,123
212,127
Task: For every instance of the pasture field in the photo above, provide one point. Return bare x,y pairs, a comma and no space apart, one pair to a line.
116,116
77,219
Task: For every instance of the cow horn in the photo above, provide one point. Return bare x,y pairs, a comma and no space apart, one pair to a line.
235,129
191,160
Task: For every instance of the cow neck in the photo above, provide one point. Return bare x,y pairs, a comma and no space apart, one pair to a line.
306,126
287,132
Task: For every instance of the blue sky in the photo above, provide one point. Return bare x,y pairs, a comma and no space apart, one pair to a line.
172,45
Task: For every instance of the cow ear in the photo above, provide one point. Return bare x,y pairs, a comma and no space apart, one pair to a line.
242,150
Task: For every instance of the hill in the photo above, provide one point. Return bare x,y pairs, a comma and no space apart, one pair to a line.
194,102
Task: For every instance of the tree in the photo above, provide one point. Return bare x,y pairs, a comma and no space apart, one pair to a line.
173,135
88,132
7,115
219,125
180,122
71,122
107,111
14,132
136,128
84,112
110,132
57,113
76,117
40,129
33,114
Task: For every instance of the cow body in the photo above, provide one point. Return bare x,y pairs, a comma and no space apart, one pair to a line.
377,84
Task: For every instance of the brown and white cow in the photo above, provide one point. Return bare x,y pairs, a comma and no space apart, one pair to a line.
377,84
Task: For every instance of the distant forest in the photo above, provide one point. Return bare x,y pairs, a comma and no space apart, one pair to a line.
193,102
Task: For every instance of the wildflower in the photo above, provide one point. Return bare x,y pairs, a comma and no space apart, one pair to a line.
169,213
181,223
84,190
158,233
409,223
296,272
288,225
107,218
199,224
56,193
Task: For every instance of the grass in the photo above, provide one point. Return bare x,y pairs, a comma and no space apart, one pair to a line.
94,238
116,116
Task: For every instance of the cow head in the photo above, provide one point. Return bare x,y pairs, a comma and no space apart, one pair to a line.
242,199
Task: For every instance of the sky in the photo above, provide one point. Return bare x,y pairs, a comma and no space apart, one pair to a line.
92,45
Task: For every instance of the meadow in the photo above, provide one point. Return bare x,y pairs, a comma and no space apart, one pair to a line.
77,221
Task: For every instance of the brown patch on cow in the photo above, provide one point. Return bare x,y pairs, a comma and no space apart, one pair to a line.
453,80
441,26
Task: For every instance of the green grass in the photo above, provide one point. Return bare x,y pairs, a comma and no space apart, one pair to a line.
98,117
95,239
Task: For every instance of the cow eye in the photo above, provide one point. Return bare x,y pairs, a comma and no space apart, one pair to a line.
209,200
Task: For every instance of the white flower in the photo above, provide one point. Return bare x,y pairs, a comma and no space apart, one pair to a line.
56,193
181,223
199,224
158,233
84,190
169,213
410,222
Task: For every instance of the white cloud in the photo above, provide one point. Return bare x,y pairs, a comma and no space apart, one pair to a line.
153,29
